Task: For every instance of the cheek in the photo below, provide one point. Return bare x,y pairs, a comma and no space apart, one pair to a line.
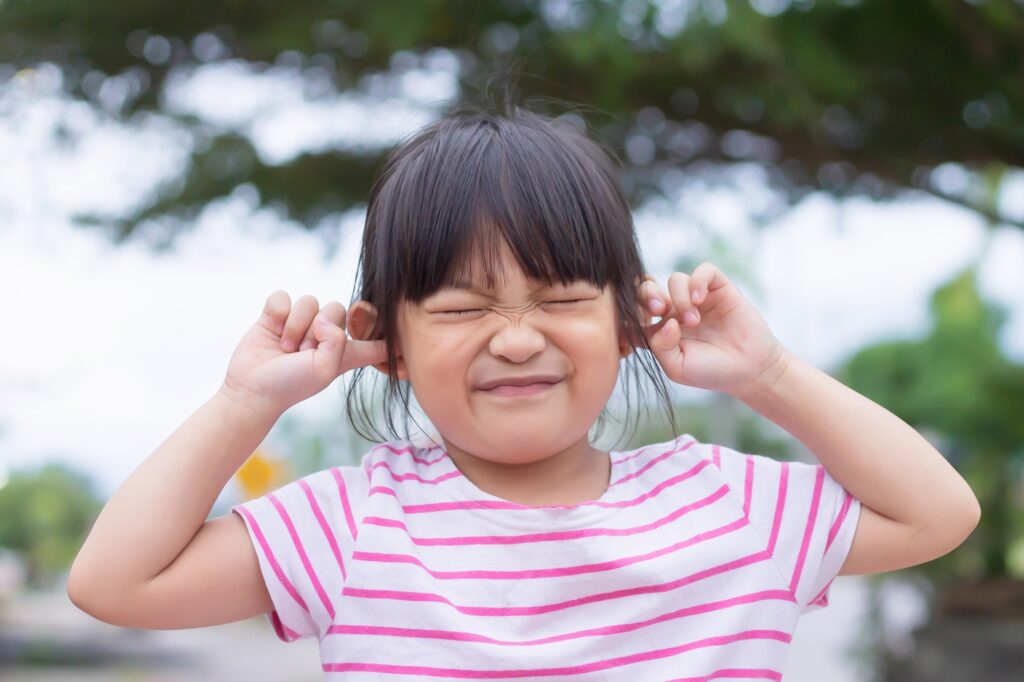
593,343
437,354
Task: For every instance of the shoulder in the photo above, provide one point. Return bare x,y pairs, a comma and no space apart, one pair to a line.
682,450
404,460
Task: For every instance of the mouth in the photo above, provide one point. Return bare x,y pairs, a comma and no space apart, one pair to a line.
525,390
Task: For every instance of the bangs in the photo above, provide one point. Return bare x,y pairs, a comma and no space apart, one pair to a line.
448,205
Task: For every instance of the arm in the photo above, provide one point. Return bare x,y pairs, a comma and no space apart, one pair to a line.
151,559
915,506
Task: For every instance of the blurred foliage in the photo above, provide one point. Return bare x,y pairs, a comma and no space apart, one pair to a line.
44,517
955,386
853,97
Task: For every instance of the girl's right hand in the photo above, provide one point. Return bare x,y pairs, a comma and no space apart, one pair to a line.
292,353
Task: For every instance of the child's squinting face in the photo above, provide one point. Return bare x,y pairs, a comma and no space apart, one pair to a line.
455,340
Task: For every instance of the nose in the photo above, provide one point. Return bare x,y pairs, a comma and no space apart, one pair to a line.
516,341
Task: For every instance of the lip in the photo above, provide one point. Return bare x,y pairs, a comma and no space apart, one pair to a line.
525,390
519,381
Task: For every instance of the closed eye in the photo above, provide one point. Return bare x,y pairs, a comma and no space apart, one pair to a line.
473,310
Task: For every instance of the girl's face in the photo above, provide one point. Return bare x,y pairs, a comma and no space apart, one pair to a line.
457,339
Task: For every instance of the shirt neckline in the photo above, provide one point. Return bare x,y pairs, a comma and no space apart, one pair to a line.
515,515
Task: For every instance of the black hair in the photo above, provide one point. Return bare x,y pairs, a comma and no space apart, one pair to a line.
478,176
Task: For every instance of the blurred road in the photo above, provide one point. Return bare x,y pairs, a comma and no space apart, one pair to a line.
246,650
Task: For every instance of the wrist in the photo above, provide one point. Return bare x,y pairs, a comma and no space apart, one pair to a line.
765,383
243,406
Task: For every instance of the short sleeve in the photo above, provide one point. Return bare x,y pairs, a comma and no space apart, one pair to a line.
304,534
805,517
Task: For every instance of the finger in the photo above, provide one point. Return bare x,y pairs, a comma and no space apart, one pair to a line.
666,344
360,353
706,278
275,311
679,292
299,319
656,302
334,312
330,340
337,353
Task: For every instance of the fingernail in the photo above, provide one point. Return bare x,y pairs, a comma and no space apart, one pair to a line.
691,316
695,296
656,304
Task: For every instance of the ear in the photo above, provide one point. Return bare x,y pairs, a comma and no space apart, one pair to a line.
361,322
624,350
626,347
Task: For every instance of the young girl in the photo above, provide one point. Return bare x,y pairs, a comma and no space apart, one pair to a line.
501,282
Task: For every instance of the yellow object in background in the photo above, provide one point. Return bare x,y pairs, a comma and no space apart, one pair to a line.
261,473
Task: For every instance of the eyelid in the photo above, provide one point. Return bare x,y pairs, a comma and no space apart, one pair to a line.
473,310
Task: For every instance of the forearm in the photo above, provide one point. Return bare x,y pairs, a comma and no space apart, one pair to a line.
155,513
880,459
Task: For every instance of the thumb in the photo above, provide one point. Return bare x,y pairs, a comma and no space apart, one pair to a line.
331,341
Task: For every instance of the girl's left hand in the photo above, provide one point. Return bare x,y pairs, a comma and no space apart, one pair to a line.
726,346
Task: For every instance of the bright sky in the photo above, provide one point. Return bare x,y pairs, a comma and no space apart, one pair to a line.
108,349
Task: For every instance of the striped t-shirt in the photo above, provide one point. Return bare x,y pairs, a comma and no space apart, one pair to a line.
695,564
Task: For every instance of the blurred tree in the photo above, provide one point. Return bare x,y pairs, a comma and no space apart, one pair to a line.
853,97
955,386
45,516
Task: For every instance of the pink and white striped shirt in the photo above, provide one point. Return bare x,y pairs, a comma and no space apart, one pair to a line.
695,564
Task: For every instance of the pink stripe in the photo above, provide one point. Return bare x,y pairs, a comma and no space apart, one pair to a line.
328,534
498,504
411,450
302,553
822,597
549,536
450,635
812,519
558,606
847,502
455,473
550,572
651,462
445,454
644,449
595,666
748,487
283,631
780,506
288,587
732,673
343,494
